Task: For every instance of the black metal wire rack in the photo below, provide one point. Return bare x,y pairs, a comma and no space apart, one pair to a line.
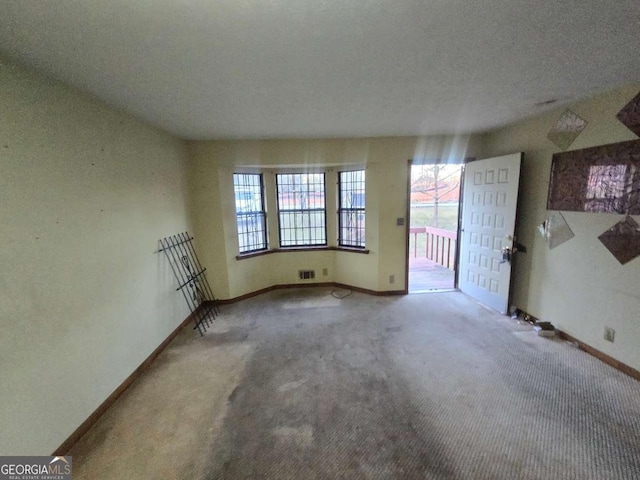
192,279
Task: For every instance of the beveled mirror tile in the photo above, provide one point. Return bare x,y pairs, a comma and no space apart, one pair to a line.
623,240
630,115
555,230
567,129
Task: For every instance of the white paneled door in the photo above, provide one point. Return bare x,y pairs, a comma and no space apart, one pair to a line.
490,197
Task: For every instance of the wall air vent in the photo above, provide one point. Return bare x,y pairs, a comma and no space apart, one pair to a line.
306,274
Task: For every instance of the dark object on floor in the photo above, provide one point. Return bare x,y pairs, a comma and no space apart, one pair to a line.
544,329
191,278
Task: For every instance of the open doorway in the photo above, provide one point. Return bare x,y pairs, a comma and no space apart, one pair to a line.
434,199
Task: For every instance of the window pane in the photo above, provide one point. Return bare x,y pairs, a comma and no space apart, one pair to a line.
301,207
250,214
351,212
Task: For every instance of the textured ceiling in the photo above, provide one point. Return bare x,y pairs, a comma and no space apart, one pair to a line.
205,69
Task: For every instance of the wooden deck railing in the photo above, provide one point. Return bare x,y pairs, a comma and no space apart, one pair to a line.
434,243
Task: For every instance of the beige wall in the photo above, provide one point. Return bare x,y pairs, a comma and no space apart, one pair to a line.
85,194
385,161
579,286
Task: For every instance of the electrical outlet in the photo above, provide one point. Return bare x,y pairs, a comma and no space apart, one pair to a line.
325,272
392,279
609,334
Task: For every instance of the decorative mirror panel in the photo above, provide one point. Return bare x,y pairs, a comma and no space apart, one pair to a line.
599,179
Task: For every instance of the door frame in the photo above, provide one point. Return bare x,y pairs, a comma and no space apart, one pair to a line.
456,260
456,272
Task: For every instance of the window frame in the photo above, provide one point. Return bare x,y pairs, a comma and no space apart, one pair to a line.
247,214
358,211
296,210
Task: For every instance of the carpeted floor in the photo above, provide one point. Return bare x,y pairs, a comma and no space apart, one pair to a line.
298,384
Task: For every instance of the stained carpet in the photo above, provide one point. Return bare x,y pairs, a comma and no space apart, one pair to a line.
297,384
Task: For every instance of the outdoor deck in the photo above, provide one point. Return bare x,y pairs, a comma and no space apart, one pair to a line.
425,275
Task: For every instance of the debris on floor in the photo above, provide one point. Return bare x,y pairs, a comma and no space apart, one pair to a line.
522,317
544,329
